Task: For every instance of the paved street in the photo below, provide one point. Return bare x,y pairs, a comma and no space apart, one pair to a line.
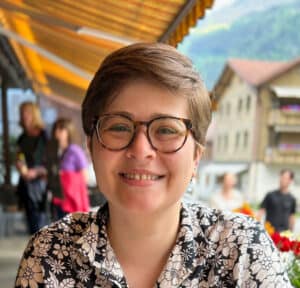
11,250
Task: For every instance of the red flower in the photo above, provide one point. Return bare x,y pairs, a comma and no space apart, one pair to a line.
286,244
283,243
296,248
276,238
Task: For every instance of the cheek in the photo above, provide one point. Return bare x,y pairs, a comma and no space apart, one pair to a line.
181,165
104,162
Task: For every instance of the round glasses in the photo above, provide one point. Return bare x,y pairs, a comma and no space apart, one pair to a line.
165,134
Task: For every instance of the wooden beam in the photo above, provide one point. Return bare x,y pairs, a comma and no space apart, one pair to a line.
188,6
6,154
14,78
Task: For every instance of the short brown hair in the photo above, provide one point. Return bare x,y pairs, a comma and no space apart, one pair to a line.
156,62
65,123
291,173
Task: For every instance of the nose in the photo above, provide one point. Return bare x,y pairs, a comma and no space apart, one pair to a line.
140,147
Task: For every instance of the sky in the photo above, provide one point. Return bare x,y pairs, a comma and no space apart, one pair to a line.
218,4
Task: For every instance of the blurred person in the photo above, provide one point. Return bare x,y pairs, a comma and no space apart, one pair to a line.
72,170
228,198
31,145
145,115
279,206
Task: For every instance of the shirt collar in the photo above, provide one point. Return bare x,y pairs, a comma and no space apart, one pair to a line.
186,255
94,246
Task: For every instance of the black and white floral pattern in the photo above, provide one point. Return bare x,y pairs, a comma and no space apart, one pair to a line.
213,249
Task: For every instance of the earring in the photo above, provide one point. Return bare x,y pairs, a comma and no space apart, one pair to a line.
193,180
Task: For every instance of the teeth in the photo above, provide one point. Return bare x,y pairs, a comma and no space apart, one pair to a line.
140,176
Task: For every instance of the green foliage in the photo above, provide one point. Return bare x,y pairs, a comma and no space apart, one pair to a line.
269,35
294,272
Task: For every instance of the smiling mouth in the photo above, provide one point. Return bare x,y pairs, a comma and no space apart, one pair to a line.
140,177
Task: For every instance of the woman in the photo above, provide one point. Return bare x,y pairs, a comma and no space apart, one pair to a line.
145,114
30,164
228,198
72,171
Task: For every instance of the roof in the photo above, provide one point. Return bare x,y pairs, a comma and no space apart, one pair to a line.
254,72
257,72
61,43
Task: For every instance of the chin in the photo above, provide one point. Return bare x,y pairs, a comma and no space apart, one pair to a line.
149,206
142,207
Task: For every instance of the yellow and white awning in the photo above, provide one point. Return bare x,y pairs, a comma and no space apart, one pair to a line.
61,43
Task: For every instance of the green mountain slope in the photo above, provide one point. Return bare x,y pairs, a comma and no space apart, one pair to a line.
270,35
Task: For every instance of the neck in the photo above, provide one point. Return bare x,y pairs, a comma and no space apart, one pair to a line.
227,191
139,238
33,131
284,189
63,146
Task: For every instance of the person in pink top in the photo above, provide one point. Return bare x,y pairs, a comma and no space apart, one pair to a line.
72,171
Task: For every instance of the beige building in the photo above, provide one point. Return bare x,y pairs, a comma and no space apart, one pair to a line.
257,125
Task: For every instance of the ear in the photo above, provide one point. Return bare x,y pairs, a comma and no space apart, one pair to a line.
197,157
88,142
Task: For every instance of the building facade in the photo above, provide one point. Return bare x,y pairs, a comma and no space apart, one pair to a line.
257,126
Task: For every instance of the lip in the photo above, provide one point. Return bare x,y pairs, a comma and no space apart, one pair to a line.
142,181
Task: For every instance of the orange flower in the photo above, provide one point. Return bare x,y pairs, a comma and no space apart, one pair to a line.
245,209
269,228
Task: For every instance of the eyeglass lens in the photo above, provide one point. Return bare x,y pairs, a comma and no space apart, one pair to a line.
165,134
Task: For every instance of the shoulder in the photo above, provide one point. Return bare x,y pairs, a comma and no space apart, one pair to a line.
44,134
75,149
63,244
237,192
292,197
21,138
216,196
235,246
66,231
272,193
73,225
208,220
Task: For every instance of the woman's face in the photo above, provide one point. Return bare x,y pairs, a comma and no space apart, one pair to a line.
119,174
26,118
61,135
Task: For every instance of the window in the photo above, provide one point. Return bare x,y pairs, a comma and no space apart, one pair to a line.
240,105
225,142
245,139
228,109
219,144
237,140
221,111
248,103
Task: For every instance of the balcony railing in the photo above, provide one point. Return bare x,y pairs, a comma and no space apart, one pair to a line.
282,156
283,117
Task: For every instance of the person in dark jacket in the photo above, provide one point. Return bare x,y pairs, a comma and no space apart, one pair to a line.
31,146
279,206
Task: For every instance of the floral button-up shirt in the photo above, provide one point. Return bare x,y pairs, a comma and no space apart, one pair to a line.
213,249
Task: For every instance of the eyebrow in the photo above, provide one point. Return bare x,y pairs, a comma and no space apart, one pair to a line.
131,116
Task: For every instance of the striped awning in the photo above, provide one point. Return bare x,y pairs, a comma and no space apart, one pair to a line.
61,43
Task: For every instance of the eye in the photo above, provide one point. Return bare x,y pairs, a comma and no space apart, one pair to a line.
164,130
118,128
